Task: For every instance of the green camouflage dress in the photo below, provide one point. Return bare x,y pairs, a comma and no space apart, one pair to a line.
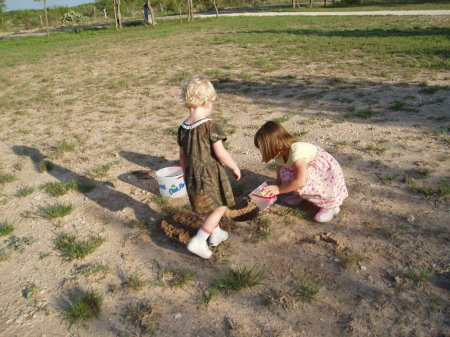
207,182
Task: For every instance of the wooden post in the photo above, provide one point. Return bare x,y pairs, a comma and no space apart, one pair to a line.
46,17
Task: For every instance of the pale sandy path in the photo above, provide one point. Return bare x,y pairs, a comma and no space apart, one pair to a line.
410,12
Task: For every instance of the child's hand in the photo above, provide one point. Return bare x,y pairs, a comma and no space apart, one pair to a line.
236,173
271,190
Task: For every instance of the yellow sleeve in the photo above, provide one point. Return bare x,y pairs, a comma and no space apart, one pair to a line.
302,150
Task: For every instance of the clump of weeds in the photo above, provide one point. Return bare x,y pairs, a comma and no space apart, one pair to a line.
141,316
74,248
56,211
134,282
175,277
45,166
305,290
82,307
205,297
24,191
6,228
419,277
239,278
6,178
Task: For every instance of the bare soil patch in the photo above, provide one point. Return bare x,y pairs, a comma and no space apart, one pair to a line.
103,112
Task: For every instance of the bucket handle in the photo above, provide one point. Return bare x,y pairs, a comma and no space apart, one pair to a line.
181,175
262,197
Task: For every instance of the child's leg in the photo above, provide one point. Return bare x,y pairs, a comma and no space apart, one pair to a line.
209,228
286,175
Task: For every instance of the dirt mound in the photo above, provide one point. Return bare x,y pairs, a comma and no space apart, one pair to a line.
184,224
244,210
330,240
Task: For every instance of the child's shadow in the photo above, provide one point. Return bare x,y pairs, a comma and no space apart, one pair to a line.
103,194
144,179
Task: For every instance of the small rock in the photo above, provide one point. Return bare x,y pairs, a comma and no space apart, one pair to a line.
362,267
177,315
411,219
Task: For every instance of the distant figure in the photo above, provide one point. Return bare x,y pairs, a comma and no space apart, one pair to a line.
148,14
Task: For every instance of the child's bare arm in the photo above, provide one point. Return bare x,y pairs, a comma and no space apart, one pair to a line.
224,156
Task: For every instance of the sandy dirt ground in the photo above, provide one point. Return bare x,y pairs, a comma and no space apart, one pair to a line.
100,116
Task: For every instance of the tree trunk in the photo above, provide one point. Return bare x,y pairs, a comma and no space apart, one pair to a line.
117,15
310,3
190,10
115,12
215,8
46,18
152,13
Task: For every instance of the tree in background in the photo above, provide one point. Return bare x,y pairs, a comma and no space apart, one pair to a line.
2,7
190,7
46,17
152,12
117,14
215,7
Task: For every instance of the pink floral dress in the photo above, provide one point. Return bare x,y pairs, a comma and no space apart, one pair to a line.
325,184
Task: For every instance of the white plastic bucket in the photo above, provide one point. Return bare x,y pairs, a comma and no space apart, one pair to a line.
171,182
260,199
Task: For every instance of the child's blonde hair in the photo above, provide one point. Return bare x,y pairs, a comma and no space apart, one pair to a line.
197,91
272,139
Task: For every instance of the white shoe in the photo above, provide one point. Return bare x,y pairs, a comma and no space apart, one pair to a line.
217,236
199,247
326,214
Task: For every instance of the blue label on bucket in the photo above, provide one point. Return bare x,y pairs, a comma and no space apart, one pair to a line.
163,187
174,189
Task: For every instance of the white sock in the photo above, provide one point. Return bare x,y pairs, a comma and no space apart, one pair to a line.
202,234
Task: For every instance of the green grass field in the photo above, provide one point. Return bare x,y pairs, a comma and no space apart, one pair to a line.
389,42
87,118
